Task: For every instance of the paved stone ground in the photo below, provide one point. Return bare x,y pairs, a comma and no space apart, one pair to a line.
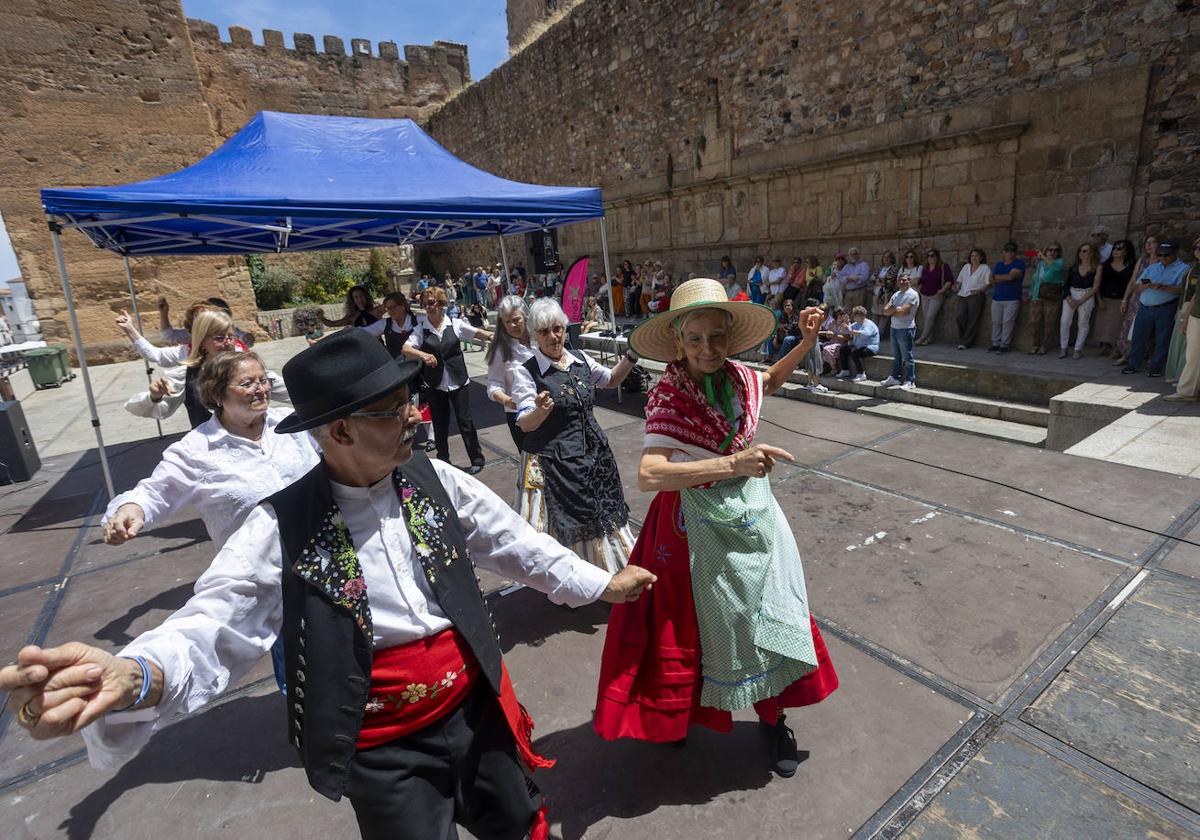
1010,667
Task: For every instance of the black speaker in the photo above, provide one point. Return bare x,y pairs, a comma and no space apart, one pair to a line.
19,460
543,248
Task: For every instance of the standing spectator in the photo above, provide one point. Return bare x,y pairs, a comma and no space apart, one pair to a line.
832,291
632,282
1102,248
1176,355
972,284
855,277
1188,389
1008,278
727,274
1045,294
1083,282
902,309
936,280
1132,301
863,345
796,281
776,282
1115,274
1160,286
650,276
756,280
883,289
814,278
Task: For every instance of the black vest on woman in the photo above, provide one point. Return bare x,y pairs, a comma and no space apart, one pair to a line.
448,352
328,657
196,411
393,339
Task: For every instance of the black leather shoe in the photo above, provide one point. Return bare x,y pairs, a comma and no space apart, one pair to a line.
474,469
1128,369
785,758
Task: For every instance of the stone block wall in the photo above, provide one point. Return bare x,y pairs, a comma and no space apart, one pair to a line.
240,77
742,128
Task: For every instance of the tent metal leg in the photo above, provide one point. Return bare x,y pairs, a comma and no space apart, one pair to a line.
504,259
137,320
83,368
608,276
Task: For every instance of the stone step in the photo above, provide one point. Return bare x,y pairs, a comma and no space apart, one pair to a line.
1015,412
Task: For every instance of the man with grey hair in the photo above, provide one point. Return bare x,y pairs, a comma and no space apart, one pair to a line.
397,696
1100,240
854,276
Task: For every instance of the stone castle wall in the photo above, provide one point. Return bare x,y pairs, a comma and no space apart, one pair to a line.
740,128
112,91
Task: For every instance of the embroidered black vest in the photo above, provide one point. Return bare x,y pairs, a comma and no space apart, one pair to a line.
448,352
574,397
196,411
327,619
393,339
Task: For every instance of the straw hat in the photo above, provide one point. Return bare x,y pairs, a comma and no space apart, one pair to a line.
752,322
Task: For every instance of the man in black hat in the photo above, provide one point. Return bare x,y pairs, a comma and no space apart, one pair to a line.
396,693
1159,288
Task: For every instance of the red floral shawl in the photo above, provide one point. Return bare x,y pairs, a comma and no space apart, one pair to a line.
678,409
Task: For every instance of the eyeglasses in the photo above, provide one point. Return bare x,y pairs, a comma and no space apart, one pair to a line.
397,413
435,303
224,339
250,384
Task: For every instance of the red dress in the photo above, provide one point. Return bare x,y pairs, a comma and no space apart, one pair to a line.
650,677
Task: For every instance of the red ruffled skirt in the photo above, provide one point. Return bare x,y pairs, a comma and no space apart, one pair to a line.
650,672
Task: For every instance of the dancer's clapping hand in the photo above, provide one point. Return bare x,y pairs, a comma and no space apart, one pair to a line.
758,460
627,584
544,402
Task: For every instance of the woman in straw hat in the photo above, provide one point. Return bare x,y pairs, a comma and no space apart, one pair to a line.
728,624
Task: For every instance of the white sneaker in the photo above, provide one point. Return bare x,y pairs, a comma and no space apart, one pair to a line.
819,389
862,377
842,374
889,382
908,386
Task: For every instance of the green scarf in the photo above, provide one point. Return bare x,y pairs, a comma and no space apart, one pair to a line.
719,392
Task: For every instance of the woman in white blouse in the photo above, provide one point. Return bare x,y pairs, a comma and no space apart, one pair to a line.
972,284
509,347
226,465
212,332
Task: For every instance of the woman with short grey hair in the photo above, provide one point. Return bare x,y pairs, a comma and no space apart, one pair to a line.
572,489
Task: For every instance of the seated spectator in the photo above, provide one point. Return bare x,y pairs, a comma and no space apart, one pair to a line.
972,285
840,336
787,333
863,345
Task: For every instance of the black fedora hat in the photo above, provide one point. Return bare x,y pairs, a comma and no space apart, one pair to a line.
339,375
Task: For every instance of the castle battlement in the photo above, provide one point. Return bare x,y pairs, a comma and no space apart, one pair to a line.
417,56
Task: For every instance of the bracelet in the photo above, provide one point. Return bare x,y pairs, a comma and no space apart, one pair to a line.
145,666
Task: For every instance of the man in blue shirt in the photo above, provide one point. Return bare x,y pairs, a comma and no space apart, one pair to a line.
1008,279
863,345
1160,286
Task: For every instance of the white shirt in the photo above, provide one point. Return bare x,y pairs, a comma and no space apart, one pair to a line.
221,475
1105,251
462,329
377,326
523,392
140,404
499,377
164,357
973,281
777,280
236,612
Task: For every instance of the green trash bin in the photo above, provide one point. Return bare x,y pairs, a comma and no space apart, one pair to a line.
64,362
44,367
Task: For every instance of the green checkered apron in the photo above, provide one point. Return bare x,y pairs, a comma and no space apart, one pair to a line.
748,585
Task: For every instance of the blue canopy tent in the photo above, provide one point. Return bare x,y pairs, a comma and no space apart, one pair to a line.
298,182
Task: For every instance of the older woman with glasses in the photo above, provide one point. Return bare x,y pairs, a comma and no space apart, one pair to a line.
437,341
575,494
1083,283
1132,300
934,285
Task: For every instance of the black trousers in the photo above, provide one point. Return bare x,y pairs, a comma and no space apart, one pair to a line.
440,403
463,769
848,356
968,312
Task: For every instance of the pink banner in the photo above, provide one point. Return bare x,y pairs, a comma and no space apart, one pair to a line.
574,286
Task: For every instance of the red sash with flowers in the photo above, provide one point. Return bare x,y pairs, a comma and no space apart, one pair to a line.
678,409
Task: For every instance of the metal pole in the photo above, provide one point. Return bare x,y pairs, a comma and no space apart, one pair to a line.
503,259
55,227
608,275
137,320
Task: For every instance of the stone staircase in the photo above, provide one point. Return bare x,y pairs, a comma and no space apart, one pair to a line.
992,402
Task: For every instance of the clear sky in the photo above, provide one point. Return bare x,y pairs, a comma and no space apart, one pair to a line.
480,24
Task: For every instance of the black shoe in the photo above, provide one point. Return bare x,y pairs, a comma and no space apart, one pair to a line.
430,445
785,758
1001,349
1153,374
1128,369
474,469
993,349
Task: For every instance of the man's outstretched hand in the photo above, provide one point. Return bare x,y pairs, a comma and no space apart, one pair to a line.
627,584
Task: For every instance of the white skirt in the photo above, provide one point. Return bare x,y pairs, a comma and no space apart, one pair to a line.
609,552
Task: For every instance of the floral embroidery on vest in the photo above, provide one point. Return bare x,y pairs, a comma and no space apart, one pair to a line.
426,521
330,563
